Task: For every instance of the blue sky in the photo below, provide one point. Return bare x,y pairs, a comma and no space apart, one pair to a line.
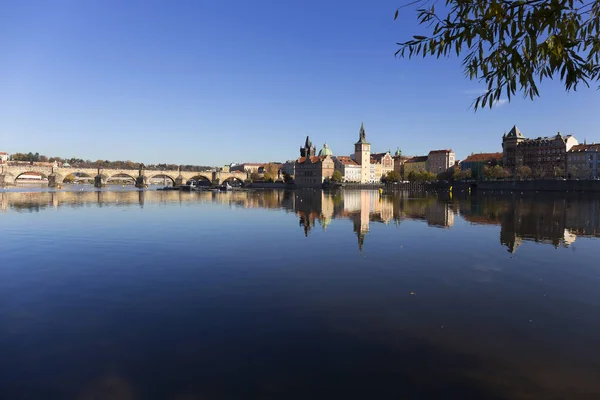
213,82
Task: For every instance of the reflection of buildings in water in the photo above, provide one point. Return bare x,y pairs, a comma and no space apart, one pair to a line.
540,219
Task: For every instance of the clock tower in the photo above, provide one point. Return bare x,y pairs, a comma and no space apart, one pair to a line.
362,155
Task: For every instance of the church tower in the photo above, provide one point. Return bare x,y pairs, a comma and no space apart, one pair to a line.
362,155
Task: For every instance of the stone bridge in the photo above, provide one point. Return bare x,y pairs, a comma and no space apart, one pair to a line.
10,172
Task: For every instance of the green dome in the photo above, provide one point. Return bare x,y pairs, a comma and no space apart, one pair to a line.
325,151
398,152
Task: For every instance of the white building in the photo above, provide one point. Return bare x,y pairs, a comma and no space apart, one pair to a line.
439,161
3,156
583,160
349,168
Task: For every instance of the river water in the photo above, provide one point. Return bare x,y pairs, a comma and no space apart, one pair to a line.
126,294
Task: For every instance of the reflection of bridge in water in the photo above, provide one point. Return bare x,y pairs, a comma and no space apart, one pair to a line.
556,221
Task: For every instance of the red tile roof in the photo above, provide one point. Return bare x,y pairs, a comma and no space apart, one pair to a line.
482,157
585,147
346,160
3,153
313,159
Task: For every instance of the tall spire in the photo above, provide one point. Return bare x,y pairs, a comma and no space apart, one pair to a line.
362,137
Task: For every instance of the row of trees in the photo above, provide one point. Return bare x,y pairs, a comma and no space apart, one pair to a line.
421,176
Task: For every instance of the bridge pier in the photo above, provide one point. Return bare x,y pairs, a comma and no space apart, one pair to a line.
7,179
178,180
52,180
99,181
140,182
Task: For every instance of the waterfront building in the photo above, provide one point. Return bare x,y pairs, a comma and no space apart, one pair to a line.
349,168
510,142
362,155
384,164
311,170
289,167
476,162
583,160
3,157
416,164
546,156
439,161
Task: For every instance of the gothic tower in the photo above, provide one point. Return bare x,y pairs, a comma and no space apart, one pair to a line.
362,155
308,150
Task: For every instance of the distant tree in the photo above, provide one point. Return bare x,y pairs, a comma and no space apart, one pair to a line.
336,176
271,172
393,176
287,178
43,158
559,172
254,176
412,176
524,172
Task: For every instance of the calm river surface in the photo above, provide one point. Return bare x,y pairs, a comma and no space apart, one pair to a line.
130,294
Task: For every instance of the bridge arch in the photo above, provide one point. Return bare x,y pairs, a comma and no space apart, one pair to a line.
202,179
120,175
74,176
158,176
235,180
20,174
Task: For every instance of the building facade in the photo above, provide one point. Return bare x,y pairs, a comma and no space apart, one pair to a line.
350,170
416,164
476,162
385,162
583,160
362,155
545,156
313,171
289,167
439,161
3,157
510,142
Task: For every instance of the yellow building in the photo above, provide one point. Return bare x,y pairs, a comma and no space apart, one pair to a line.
416,164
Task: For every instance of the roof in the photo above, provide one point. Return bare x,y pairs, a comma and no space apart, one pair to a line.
313,159
585,147
346,160
362,136
417,159
3,153
325,151
377,157
482,157
515,132
440,151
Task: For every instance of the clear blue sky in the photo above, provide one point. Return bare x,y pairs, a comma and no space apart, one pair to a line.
213,82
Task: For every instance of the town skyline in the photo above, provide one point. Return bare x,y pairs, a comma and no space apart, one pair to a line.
192,94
